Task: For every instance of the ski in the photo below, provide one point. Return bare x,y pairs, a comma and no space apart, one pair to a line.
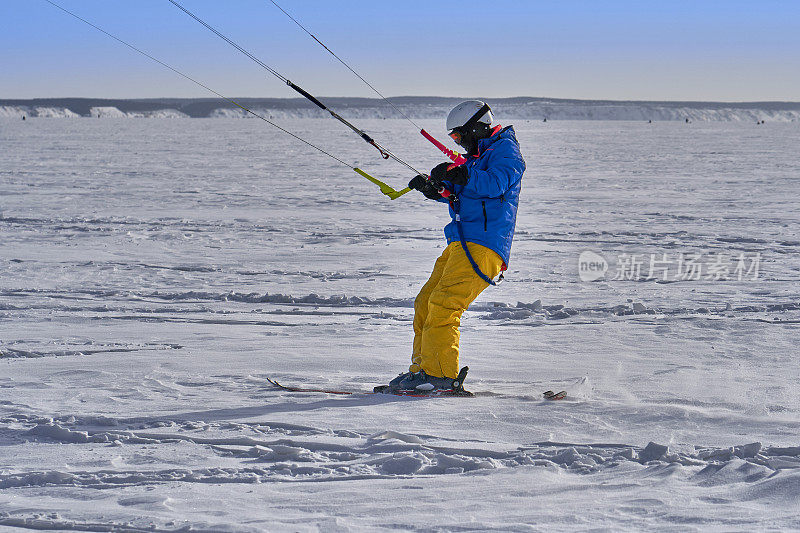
384,389
305,389
457,390
550,395
381,389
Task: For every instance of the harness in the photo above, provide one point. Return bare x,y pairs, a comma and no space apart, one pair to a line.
455,205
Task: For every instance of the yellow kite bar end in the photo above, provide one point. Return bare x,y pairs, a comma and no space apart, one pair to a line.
385,189
397,194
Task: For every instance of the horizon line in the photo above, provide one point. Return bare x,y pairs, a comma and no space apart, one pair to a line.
377,99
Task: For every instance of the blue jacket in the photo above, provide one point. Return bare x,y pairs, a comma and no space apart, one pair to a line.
488,202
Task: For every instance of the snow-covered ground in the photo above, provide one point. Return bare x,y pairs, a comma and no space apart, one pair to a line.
154,273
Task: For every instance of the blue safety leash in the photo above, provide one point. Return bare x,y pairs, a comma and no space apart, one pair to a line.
454,203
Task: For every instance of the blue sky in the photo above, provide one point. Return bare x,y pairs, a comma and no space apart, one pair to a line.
671,50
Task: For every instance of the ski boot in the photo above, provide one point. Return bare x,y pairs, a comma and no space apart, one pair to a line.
420,383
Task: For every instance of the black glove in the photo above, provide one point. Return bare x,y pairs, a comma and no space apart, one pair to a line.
438,172
427,187
457,176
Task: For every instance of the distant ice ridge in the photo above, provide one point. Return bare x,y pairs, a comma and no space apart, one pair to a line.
113,112
46,112
416,107
643,111
98,112
540,111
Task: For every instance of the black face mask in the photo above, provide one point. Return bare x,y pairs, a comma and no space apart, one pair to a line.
468,137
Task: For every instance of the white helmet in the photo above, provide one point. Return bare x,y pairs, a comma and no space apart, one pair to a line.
469,112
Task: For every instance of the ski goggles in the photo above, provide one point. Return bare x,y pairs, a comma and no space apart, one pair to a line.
456,136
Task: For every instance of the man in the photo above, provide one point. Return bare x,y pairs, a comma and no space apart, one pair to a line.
483,194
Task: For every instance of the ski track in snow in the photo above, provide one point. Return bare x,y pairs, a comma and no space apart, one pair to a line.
148,453
284,452
155,273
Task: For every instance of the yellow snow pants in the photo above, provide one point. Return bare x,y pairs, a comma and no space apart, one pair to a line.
453,285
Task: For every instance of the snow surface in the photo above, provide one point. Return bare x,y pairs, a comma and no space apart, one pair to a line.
154,273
